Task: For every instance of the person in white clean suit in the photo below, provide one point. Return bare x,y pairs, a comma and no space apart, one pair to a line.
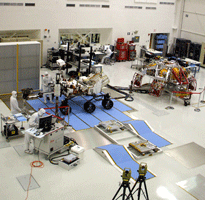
33,122
14,103
108,54
47,79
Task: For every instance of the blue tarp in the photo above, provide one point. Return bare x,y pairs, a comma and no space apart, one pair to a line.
143,129
123,159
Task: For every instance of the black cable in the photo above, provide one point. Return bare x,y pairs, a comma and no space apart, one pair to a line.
73,140
51,159
127,97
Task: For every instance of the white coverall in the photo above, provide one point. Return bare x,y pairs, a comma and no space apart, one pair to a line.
33,122
46,80
14,103
108,54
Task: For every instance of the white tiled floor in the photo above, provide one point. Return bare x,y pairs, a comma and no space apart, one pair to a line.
95,178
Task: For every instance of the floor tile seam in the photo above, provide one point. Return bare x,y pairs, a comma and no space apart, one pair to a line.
102,111
72,113
84,111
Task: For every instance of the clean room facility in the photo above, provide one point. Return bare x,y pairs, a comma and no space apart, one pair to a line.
102,100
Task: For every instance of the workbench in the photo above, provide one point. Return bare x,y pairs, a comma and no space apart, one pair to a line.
48,142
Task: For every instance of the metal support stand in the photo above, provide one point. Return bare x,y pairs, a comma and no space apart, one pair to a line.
124,185
78,69
24,105
68,115
68,58
1,123
140,179
126,175
170,107
56,111
90,65
203,101
22,127
23,111
198,109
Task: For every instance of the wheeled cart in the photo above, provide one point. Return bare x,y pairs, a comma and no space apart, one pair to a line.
131,52
121,49
9,127
52,57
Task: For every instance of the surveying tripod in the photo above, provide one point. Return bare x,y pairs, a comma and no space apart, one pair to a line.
125,184
140,179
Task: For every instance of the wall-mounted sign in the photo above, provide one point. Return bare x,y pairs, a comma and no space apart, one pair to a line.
136,39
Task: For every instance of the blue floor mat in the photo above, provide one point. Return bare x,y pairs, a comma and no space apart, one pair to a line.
74,121
143,129
37,104
122,159
79,119
120,106
113,112
98,113
84,116
117,104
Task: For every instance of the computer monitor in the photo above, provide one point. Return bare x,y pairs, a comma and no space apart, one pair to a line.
45,123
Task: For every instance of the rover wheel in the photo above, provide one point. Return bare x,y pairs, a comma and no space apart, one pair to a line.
186,102
89,107
107,103
64,110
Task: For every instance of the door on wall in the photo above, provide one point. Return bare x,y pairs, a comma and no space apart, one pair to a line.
157,40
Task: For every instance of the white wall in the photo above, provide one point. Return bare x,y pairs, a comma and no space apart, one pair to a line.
193,23
54,15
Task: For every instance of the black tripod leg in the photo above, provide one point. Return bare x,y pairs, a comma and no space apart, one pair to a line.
124,193
117,192
132,189
147,198
130,194
139,190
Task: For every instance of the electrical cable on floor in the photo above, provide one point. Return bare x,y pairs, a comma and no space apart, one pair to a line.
68,143
56,163
36,163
